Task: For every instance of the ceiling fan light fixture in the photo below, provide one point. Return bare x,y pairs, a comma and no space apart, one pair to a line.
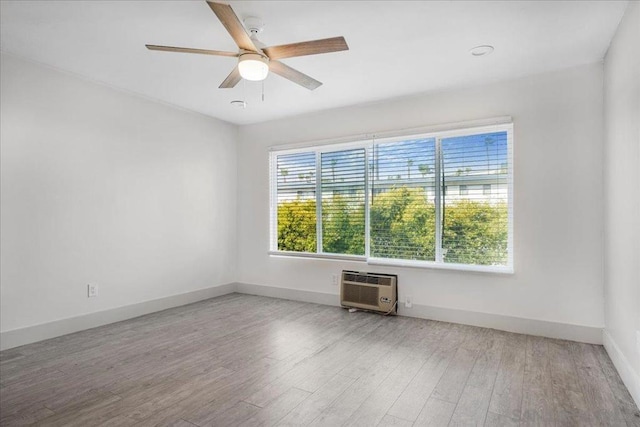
253,66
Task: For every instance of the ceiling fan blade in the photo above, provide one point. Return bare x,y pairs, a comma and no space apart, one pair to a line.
230,20
313,47
190,50
294,75
232,79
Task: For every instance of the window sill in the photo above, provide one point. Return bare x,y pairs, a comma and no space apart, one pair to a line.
441,266
359,258
398,263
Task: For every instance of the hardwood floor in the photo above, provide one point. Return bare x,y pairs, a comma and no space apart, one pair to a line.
247,360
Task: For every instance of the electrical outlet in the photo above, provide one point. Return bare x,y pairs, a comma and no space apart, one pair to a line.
92,290
334,279
408,302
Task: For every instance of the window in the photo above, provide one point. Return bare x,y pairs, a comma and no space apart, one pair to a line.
402,213
343,188
386,201
296,201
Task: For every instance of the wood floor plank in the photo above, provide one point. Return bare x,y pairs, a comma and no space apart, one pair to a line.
455,377
26,417
414,397
81,414
389,421
474,401
119,421
145,406
374,408
230,391
537,398
349,401
312,407
280,385
627,406
472,407
237,414
262,361
569,402
506,398
600,399
241,386
278,408
485,370
435,413
497,420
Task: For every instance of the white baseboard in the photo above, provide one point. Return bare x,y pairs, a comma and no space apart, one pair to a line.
22,336
287,293
630,378
521,325
587,334
31,334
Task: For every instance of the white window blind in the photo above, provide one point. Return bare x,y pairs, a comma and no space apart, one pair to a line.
296,202
402,212
475,222
343,201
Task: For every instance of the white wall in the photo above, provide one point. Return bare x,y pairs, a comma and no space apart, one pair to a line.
558,131
622,199
99,186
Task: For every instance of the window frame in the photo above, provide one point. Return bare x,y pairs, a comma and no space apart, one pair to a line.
367,143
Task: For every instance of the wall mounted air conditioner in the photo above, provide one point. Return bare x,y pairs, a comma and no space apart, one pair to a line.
369,291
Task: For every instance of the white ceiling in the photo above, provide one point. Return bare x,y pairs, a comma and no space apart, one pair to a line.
397,48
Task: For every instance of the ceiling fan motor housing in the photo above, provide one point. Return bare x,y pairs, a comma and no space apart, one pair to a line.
253,24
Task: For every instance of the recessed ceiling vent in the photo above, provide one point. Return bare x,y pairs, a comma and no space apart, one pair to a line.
482,50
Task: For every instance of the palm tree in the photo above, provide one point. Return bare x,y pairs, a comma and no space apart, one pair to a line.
333,169
487,142
409,164
424,170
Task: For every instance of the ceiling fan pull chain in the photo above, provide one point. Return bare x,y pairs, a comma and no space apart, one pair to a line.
263,91
244,90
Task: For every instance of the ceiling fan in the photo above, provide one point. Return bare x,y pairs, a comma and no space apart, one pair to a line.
256,60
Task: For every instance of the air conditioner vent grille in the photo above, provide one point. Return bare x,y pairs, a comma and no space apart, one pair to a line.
367,278
349,277
386,281
361,294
